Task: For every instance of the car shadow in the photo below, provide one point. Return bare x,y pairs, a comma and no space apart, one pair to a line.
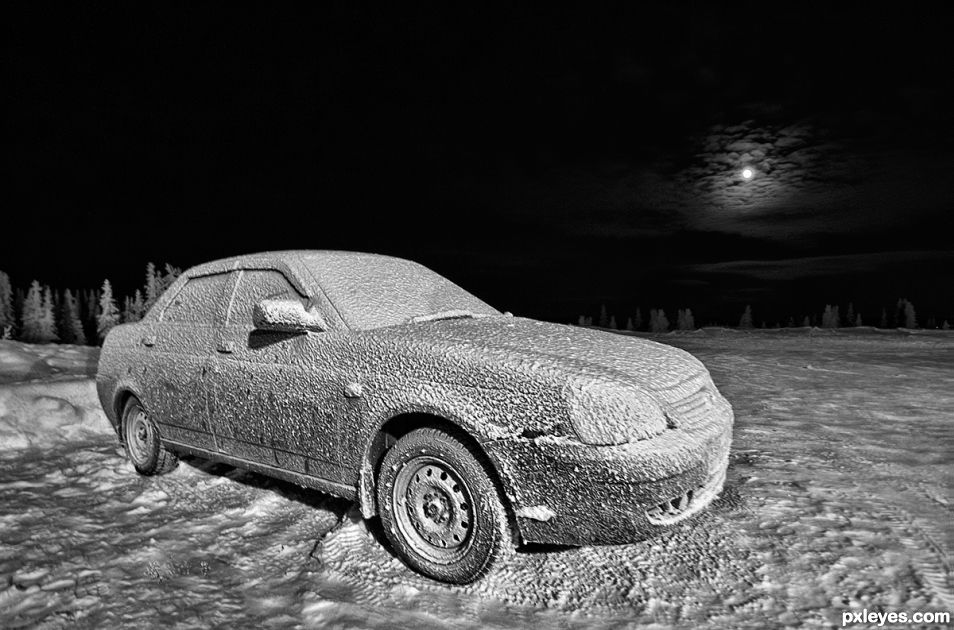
306,496
377,532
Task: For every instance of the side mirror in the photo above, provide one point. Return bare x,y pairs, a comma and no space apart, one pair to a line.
286,316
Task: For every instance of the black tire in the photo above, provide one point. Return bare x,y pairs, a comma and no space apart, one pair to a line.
440,509
141,439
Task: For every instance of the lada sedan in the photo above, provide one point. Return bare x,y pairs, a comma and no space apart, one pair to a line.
466,430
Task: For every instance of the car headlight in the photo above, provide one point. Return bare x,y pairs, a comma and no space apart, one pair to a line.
606,412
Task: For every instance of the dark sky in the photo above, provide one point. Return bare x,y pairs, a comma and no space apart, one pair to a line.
548,161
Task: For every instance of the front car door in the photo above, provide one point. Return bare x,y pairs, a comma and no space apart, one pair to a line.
268,406
181,348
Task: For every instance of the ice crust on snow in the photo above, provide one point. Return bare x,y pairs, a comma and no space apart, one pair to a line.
838,498
47,397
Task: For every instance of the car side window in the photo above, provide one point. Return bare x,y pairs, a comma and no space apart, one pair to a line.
257,285
199,301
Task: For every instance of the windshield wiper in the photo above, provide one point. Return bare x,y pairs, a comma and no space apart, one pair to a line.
451,314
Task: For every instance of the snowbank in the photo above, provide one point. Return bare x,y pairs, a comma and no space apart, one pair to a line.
50,413
27,362
48,395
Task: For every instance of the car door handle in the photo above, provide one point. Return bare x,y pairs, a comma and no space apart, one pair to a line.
226,347
148,340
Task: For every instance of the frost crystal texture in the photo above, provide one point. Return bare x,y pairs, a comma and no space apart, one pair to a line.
312,366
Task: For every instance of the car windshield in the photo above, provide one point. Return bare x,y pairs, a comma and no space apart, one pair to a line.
377,291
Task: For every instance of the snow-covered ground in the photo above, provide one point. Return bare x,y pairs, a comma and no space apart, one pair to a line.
840,496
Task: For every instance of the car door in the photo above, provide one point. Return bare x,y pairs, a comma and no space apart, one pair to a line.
270,405
180,352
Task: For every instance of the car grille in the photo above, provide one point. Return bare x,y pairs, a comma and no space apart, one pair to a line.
683,505
671,509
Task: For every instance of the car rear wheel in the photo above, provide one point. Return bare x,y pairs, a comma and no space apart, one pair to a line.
440,509
141,439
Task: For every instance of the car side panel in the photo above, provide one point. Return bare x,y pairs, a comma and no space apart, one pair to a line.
176,380
179,353
276,399
395,381
272,407
121,365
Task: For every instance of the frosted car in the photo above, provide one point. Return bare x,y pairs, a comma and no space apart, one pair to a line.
466,430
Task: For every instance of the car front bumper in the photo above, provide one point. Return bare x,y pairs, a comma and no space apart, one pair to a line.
568,493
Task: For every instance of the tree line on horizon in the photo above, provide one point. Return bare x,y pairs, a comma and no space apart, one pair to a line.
41,314
902,316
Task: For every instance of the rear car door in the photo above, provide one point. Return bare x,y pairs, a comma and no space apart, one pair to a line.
181,351
267,406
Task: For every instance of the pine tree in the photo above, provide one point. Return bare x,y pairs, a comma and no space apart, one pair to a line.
152,285
138,308
807,322
48,319
581,321
830,318
931,323
746,320
850,315
165,280
899,313
612,322
883,323
685,320
19,297
90,321
658,322
910,318
76,325
604,318
629,324
70,326
32,314
107,315
946,325
858,320
790,323
638,320
6,302
63,318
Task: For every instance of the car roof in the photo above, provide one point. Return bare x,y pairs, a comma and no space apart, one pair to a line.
288,260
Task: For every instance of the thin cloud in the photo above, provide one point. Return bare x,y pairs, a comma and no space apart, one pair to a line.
819,266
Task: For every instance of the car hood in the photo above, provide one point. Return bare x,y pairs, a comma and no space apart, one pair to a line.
580,354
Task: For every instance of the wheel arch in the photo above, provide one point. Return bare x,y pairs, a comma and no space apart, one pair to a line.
120,398
400,424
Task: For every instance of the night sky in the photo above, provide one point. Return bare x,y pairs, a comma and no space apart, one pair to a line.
548,161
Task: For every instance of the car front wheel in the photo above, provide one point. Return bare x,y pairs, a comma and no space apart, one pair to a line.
141,439
440,509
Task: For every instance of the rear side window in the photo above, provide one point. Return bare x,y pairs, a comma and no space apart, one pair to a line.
199,301
255,286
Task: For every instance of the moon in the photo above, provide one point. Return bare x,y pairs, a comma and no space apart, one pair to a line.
747,173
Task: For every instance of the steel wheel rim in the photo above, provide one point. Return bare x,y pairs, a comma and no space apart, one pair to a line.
139,437
433,509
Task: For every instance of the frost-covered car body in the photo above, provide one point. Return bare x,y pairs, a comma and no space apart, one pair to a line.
592,437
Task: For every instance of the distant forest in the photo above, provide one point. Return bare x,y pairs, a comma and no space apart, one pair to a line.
41,314
903,315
